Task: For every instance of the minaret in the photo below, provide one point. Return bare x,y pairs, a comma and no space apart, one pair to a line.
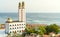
21,10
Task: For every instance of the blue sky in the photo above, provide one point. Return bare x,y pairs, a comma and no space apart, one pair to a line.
31,5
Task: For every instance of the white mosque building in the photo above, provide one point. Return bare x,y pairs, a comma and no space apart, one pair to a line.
17,26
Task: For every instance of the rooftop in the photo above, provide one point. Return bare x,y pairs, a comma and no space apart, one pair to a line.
13,21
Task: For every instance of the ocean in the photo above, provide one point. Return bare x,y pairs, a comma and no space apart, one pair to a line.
34,18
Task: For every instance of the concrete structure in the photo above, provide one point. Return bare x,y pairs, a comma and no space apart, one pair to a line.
17,26
2,26
22,14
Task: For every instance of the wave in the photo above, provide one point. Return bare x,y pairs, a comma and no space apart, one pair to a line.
43,22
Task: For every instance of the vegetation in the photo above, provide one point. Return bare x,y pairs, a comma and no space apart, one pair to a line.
39,30
52,28
43,29
31,30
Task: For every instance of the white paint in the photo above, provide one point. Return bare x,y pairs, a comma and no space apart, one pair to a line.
20,15
17,29
24,15
14,25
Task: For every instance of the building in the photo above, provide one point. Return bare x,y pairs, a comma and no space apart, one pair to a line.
17,26
2,26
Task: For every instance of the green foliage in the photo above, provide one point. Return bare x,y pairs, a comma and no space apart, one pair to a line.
31,30
52,28
27,31
41,30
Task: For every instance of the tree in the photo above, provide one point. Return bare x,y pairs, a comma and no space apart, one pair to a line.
52,28
41,30
27,31
30,30
37,30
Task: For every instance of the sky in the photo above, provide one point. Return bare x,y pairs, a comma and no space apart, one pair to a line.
31,6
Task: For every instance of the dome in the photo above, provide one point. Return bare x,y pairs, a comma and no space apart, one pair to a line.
9,20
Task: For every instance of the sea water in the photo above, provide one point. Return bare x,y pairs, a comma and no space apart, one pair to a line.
33,18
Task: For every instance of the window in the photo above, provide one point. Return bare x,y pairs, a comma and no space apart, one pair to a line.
20,30
10,25
22,24
15,27
22,27
15,24
10,28
13,31
10,31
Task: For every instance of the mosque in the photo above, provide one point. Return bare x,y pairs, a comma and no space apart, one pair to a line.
17,26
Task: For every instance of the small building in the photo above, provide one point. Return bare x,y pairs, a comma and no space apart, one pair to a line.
2,26
52,34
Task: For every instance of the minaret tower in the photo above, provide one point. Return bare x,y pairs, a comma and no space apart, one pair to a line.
21,10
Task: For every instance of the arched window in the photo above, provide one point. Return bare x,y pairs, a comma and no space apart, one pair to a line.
15,24
20,30
10,31
10,28
24,24
10,25
15,27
